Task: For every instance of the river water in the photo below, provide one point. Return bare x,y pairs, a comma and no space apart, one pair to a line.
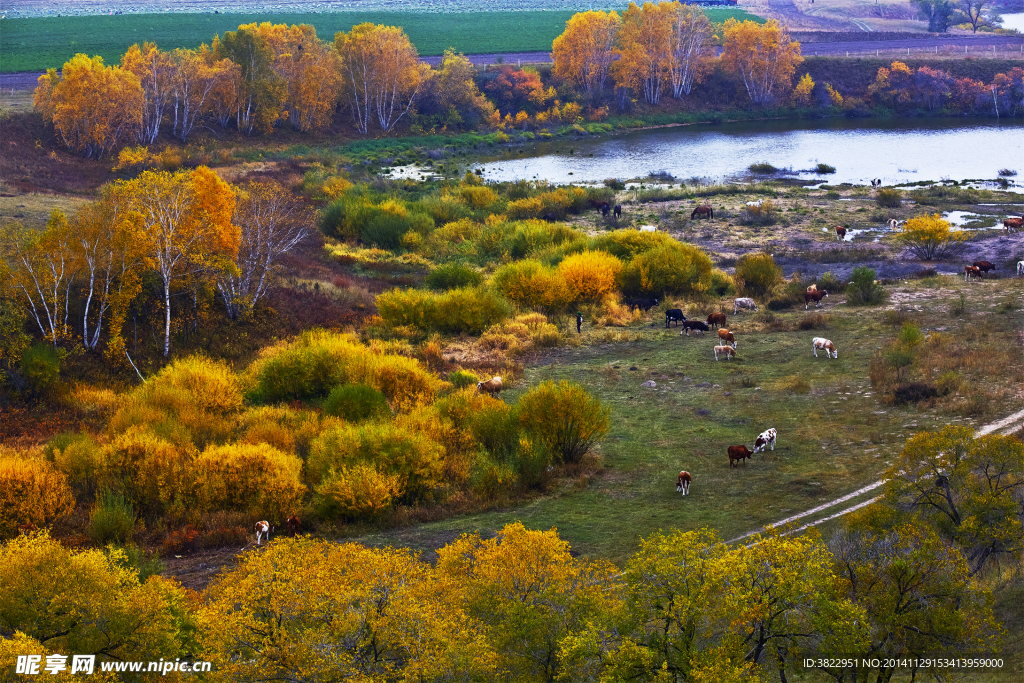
1014,21
895,150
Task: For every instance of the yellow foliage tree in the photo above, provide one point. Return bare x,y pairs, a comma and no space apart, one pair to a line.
358,492
31,491
381,74
259,91
691,47
93,107
930,237
763,56
254,478
584,53
803,90
186,221
590,274
202,84
149,469
644,47
565,417
155,72
455,91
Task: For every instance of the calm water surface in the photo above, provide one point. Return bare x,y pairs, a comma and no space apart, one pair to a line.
897,151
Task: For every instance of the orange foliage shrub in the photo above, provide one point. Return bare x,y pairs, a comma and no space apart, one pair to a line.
591,274
254,478
149,469
357,492
31,491
530,284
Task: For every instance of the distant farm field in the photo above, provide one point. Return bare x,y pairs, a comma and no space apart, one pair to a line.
37,44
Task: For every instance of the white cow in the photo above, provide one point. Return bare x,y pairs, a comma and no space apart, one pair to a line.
827,345
754,205
1020,267
648,228
745,303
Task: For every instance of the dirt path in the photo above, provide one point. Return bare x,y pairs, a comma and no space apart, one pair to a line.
1007,425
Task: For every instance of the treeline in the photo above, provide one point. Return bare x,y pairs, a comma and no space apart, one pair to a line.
900,580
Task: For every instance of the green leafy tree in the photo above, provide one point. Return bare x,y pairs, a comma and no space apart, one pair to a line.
262,91
566,418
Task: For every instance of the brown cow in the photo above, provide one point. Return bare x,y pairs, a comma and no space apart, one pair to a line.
491,386
970,271
683,482
984,266
840,233
738,453
716,319
1013,224
27,528
703,212
293,524
727,337
816,296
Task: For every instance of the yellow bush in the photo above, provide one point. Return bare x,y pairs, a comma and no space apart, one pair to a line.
626,244
414,457
478,197
591,275
521,334
612,312
528,207
672,268
359,492
149,469
457,237
255,478
194,398
530,284
335,187
31,491
757,274
83,463
565,417
456,311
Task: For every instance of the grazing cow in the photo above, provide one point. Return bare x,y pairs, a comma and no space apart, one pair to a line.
645,304
683,482
605,209
822,343
262,529
816,296
840,233
674,315
648,228
754,205
697,326
1020,267
703,212
1013,224
726,351
745,303
740,453
550,217
491,386
27,528
716,319
617,211
984,266
970,271
726,337
764,439
293,524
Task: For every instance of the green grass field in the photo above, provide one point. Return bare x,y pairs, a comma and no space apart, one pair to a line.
835,436
43,43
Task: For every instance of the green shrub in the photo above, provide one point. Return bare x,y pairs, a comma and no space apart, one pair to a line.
823,169
40,366
452,276
830,283
461,379
959,306
567,419
762,167
112,519
888,198
457,311
615,184
863,290
385,231
721,283
787,295
143,564
356,402
80,458
757,275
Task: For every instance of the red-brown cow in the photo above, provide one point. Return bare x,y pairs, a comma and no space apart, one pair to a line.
816,296
984,266
683,482
716,319
840,233
738,453
727,337
1013,224
293,524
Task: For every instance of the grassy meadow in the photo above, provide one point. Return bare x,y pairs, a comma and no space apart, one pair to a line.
38,44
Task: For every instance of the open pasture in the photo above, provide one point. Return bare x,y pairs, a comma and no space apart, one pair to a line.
835,435
37,44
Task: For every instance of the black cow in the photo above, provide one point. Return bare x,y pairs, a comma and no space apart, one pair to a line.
550,217
674,315
618,210
698,326
605,210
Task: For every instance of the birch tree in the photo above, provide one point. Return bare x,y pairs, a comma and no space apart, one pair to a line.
584,53
763,56
156,76
690,48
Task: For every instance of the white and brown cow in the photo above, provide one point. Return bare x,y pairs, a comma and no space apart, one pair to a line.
827,345
726,351
764,439
972,271
683,482
262,530
491,386
727,337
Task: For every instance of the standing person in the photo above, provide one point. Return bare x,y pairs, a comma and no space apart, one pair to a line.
579,322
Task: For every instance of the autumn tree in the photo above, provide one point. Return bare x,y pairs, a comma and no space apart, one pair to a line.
273,221
893,85
529,593
972,11
93,107
583,54
938,13
198,77
968,488
918,599
381,73
643,49
42,268
454,92
517,89
690,47
261,91
185,218
155,72
763,56
803,90
930,237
